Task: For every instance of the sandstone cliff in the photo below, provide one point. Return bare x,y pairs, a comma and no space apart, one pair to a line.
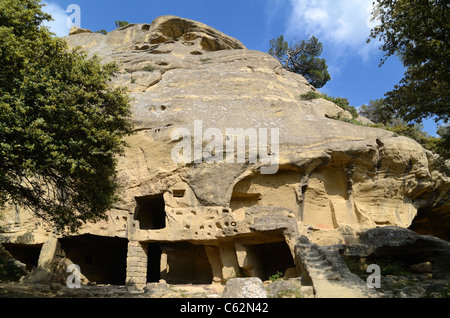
332,179
331,173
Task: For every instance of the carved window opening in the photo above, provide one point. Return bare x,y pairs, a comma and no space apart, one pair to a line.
150,212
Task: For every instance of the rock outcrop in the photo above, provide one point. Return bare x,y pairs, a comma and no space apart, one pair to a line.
215,214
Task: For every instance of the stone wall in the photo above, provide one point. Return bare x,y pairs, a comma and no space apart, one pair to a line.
136,265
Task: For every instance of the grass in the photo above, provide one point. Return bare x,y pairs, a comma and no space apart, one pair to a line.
206,59
351,121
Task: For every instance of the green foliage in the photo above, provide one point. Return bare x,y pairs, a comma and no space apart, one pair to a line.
379,113
443,144
117,23
415,132
417,32
276,277
351,121
148,68
443,292
9,271
391,266
376,111
302,58
206,59
120,24
343,103
61,125
310,95
339,101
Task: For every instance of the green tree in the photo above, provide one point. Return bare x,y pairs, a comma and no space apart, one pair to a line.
418,32
415,132
379,113
302,58
443,146
61,125
376,111
120,24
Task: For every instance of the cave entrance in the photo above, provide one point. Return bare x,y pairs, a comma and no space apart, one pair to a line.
26,254
429,221
150,212
271,259
153,263
101,259
187,264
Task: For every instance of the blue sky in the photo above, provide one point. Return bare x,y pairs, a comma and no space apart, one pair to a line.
341,25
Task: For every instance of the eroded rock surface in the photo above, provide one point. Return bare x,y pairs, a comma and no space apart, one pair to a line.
202,221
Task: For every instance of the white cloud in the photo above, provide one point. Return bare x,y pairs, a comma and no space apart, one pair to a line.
341,25
272,8
59,25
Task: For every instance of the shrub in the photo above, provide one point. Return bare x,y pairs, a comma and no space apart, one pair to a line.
339,101
276,277
148,68
10,271
414,132
310,95
343,103
351,121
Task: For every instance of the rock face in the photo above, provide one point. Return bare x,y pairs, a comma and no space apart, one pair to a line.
244,288
194,209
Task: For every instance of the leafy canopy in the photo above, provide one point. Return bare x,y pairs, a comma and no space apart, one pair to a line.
418,32
378,112
61,125
302,58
